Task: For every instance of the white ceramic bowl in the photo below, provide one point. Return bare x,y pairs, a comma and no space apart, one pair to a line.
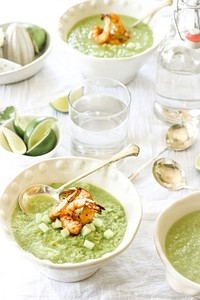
121,69
26,160
61,170
30,69
165,220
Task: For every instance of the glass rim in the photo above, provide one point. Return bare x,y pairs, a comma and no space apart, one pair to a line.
127,107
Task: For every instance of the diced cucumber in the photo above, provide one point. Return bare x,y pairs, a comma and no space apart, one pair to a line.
97,222
91,226
65,232
57,224
43,227
46,219
85,230
108,234
88,244
38,218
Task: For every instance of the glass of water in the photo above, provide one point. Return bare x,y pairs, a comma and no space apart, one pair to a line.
99,114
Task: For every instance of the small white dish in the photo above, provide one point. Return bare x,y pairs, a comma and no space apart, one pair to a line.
163,223
61,170
26,71
26,160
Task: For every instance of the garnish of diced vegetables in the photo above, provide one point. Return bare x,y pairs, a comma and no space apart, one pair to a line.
88,244
85,230
43,227
38,218
65,232
97,222
108,234
91,226
57,224
46,219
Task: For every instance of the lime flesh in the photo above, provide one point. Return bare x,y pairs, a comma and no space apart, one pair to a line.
16,144
45,145
37,129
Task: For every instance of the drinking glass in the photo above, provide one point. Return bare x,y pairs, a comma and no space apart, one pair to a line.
99,113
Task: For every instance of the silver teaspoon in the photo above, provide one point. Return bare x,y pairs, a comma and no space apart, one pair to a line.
170,175
30,191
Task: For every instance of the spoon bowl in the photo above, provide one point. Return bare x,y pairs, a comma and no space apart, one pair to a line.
43,189
169,174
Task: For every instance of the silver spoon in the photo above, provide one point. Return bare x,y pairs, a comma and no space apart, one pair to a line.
170,175
178,137
131,150
153,11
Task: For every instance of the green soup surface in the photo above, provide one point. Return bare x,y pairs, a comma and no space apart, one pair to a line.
141,38
51,244
183,246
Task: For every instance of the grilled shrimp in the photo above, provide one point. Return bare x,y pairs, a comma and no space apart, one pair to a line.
101,35
67,209
113,33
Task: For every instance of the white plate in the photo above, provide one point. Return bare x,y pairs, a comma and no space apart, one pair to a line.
30,69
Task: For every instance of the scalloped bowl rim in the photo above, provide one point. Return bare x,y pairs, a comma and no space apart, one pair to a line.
121,247
150,49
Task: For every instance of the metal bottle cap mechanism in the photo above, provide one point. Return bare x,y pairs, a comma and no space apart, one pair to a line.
187,21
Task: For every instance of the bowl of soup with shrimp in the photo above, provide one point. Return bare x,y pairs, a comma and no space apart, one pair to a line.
69,239
100,38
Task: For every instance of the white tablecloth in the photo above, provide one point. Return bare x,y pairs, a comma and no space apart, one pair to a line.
138,273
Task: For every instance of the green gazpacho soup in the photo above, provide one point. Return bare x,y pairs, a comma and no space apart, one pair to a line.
141,38
39,235
183,246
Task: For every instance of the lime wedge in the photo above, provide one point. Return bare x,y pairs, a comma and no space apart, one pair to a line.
37,129
20,123
75,94
16,144
60,104
197,162
4,142
45,145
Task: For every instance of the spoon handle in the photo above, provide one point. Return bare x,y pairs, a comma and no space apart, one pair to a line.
155,10
189,187
134,175
131,150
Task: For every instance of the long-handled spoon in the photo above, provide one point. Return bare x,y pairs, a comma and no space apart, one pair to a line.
178,137
170,175
131,150
153,11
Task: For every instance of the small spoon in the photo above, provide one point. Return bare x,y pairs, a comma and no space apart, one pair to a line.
170,175
131,150
153,11
178,137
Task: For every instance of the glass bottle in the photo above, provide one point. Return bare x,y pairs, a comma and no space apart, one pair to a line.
177,96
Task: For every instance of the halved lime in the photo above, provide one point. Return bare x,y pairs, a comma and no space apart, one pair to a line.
4,142
20,123
45,145
197,162
38,36
37,129
16,144
60,104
